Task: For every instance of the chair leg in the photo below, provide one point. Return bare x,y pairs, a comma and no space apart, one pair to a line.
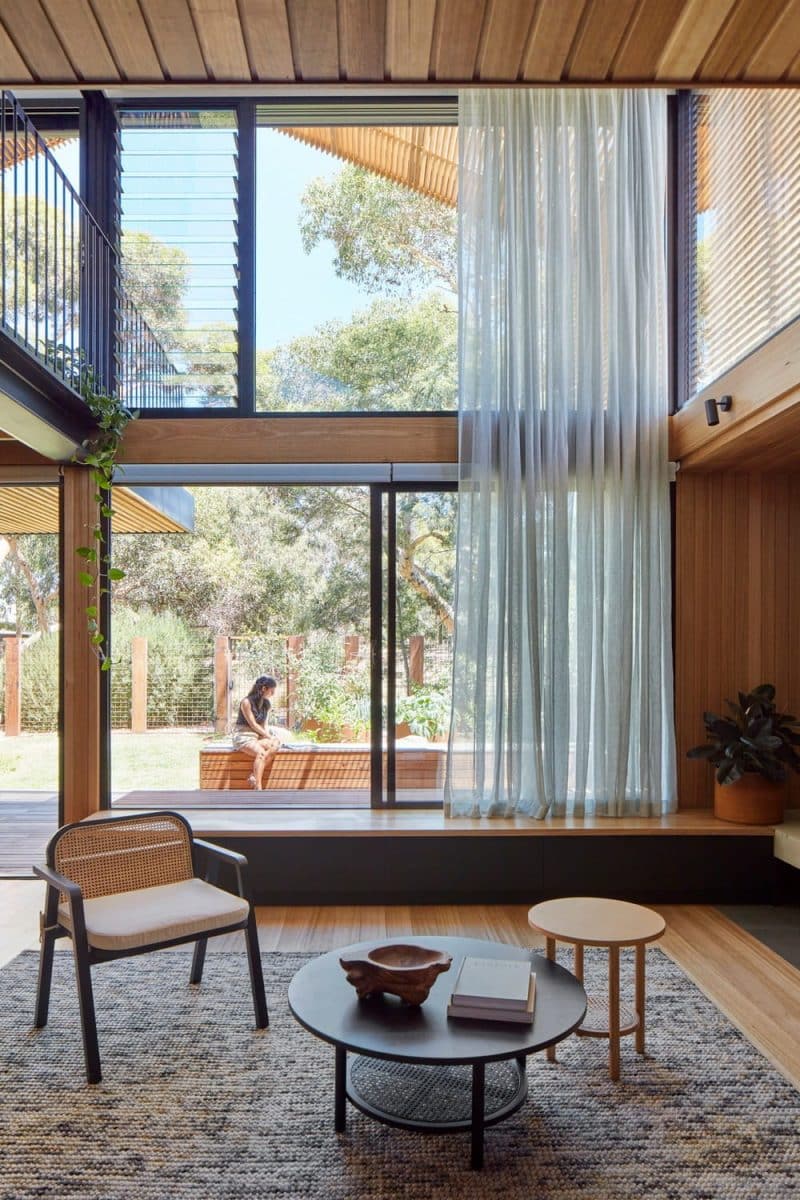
91,1050
256,973
198,960
48,940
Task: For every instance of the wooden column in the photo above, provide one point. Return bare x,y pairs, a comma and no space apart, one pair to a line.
416,660
352,644
222,684
13,724
139,685
80,704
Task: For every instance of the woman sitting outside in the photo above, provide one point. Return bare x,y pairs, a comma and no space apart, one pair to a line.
252,733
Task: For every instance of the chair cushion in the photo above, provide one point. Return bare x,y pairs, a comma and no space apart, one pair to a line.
157,914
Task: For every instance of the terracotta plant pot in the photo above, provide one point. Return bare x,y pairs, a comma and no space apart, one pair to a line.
752,800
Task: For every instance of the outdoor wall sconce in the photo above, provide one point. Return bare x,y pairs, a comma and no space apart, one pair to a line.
714,407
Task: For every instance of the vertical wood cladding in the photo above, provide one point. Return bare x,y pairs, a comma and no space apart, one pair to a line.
737,604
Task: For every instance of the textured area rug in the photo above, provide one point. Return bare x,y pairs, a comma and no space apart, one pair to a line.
195,1103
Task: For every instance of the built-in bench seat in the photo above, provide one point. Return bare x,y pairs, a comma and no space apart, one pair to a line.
787,840
330,765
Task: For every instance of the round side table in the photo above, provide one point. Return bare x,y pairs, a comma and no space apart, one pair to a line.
592,921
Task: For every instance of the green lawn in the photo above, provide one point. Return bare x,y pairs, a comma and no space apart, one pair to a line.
161,760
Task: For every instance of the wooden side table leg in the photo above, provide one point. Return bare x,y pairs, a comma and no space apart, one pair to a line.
613,1011
578,962
550,944
640,997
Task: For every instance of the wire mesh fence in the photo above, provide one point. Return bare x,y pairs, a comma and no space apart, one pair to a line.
179,690
323,683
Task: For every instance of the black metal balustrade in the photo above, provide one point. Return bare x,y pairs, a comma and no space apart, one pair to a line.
60,295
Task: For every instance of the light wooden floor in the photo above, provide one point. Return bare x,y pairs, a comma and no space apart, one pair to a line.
756,989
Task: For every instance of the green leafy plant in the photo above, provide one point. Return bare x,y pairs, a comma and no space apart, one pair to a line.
426,711
754,739
99,453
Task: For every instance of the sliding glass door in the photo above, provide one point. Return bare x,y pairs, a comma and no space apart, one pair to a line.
413,601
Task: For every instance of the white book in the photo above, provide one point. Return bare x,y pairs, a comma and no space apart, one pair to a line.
475,1012
493,983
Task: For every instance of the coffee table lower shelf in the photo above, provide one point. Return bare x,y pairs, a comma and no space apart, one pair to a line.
428,1098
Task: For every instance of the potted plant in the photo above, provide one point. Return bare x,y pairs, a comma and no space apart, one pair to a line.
753,750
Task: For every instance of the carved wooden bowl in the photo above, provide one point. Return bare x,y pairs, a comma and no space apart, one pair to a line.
401,970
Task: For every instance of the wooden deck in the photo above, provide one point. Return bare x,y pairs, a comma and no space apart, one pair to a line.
27,822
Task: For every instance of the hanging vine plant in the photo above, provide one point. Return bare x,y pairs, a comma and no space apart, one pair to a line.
99,453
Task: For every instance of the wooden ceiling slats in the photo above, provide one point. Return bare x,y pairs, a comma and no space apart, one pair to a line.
404,41
456,38
638,55
315,39
552,34
775,54
362,39
505,35
34,37
692,34
82,39
175,38
221,39
742,33
599,38
127,35
266,34
423,157
409,37
12,65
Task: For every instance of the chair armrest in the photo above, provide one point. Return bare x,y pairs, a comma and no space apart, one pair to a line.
231,856
60,882
236,860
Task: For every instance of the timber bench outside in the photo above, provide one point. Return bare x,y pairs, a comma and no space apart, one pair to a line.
325,765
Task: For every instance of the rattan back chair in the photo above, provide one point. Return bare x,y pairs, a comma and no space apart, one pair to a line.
125,885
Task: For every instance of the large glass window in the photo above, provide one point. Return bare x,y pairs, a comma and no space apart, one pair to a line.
356,268
29,673
180,257
745,276
298,583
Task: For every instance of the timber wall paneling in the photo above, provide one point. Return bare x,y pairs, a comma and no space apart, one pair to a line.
737,603
80,729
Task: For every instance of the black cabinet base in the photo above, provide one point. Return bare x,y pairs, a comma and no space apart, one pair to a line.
680,869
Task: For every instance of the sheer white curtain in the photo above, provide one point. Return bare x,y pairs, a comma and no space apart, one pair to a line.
563,676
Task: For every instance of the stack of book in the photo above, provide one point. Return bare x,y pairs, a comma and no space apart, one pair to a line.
494,989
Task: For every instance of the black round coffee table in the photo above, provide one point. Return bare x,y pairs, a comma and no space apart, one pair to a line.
433,1057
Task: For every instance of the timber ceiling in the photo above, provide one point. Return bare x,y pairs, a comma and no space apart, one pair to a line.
398,41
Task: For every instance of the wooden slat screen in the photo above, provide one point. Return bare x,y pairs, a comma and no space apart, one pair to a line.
747,270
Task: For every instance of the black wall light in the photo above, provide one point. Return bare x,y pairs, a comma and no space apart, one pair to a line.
714,407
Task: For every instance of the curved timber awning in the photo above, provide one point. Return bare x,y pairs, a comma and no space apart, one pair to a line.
33,508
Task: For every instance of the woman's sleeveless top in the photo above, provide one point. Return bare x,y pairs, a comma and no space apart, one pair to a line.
259,708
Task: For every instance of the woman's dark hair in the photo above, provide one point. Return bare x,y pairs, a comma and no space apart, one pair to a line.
263,681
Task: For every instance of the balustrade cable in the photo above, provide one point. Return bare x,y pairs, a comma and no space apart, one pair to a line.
59,277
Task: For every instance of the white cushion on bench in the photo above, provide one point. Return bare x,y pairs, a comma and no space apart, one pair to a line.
787,841
157,914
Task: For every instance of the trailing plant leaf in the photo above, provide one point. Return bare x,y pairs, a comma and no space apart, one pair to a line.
99,453
756,739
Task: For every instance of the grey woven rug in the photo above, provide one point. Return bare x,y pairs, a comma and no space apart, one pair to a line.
195,1103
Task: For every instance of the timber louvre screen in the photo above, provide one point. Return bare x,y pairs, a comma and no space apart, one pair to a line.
745,282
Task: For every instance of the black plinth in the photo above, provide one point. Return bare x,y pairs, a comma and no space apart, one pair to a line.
421,1096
